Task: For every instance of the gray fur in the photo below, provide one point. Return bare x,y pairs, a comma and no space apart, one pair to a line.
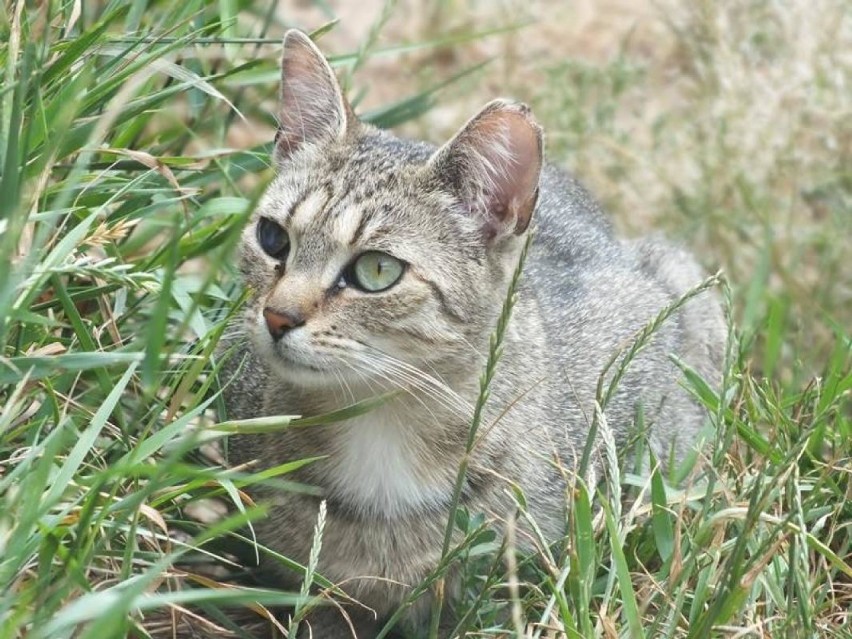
584,295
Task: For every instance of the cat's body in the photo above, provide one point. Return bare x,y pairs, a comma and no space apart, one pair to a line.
314,340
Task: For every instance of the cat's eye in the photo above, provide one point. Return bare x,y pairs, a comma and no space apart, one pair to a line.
375,271
273,239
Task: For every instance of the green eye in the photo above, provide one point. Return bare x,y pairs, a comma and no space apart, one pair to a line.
375,271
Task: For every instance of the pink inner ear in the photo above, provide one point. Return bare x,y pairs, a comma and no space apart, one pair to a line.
523,185
508,146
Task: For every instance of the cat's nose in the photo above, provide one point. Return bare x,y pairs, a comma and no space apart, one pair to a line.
279,322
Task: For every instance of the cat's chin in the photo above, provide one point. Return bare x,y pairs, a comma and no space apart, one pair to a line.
306,377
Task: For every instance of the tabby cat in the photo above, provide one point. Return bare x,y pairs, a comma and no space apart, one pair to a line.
378,264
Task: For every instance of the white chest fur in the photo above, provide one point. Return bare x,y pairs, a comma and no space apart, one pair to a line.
380,468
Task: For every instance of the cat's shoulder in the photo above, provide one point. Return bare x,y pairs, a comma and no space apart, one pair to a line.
570,222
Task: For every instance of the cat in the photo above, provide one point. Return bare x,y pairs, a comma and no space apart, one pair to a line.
376,263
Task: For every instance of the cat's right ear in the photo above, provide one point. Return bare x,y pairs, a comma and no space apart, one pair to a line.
312,109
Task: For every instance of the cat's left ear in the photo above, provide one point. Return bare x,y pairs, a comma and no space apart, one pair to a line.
493,164
312,109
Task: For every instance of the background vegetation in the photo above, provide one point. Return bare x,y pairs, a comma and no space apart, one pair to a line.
132,145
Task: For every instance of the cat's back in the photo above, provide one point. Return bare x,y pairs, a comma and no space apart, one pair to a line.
596,292
570,226
580,270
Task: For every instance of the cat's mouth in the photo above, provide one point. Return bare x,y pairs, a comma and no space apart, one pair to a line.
301,362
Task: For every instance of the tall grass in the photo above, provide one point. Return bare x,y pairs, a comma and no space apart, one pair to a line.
128,167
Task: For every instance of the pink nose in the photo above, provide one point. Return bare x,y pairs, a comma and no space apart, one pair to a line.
279,322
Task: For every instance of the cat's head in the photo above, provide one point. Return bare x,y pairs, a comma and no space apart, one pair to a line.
373,259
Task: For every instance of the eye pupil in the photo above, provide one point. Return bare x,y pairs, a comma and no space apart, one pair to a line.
273,239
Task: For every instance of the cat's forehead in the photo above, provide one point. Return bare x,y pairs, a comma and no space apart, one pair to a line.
343,203
365,192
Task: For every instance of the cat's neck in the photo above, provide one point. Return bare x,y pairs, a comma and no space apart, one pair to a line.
394,460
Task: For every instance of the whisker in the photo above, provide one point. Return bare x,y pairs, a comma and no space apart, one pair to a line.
341,380
434,381
378,371
423,382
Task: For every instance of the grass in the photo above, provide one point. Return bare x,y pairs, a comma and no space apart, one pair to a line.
129,162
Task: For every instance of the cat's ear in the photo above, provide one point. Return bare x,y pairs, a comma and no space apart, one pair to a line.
311,108
493,164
